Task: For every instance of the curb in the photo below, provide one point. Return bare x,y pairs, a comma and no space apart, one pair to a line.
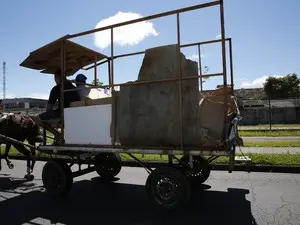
217,167
260,168
237,167
268,129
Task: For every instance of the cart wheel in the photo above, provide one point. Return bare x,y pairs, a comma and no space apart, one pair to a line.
57,178
200,171
168,188
108,165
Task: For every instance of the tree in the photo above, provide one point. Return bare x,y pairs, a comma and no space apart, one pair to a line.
286,86
97,82
205,70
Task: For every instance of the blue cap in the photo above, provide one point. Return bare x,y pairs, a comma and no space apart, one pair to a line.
81,77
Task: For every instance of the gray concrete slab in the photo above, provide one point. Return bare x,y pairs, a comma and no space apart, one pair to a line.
239,198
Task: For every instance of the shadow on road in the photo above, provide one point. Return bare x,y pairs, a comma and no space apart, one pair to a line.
6,183
97,202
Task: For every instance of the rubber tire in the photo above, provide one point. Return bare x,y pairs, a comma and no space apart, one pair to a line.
184,191
62,170
108,165
198,178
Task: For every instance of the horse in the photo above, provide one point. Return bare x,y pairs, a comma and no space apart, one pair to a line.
20,127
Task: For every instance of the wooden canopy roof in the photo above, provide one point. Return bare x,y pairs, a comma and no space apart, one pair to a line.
47,58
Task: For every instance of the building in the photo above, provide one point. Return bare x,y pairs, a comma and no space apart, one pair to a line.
30,106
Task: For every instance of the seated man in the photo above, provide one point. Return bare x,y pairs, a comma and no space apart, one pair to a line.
70,96
51,113
86,92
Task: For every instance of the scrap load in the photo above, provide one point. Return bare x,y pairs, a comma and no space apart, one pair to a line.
149,114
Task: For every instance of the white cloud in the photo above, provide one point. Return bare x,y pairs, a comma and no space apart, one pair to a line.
38,95
195,57
130,34
258,82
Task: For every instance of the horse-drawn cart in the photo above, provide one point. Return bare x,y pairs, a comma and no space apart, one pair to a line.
194,130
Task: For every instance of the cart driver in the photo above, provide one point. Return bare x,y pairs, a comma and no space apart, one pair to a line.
54,114
54,96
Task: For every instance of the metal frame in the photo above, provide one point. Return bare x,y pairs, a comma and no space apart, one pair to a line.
110,62
198,44
67,150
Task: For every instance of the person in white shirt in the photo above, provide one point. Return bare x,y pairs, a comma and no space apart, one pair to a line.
86,92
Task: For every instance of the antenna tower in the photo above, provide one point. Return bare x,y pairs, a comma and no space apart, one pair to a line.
4,84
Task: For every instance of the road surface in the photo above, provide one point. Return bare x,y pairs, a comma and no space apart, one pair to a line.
228,199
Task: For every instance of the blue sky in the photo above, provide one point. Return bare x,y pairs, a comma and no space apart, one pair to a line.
265,36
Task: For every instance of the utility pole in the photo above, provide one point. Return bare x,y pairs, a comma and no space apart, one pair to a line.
4,86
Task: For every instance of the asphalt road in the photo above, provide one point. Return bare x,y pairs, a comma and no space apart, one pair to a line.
234,199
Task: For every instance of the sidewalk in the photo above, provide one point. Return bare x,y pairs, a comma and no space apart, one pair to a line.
265,139
268,150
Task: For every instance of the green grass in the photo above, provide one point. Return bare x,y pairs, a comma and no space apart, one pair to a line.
272,144
275,159
257,133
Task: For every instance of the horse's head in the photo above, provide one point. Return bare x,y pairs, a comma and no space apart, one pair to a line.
32,130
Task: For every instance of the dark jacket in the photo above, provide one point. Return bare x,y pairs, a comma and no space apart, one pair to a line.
70,96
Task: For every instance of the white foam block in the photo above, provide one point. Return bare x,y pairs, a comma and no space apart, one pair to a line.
88,125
